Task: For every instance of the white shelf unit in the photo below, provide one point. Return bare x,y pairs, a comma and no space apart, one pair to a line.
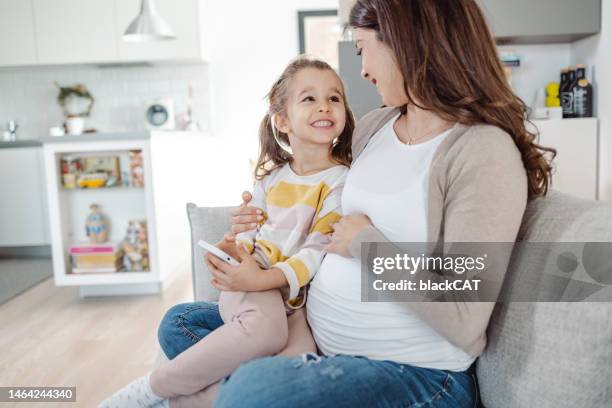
576,167
179,167
68,209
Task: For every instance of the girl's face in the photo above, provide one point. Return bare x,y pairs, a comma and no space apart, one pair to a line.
315,113
379,66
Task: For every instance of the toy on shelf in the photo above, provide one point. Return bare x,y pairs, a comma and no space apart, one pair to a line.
135,247
92,180
96,225
70,168
136,168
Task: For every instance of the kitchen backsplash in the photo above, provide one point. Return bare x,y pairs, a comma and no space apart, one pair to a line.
28,95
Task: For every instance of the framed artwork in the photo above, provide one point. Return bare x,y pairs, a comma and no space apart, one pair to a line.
319,34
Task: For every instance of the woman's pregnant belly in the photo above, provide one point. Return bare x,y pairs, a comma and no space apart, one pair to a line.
342,324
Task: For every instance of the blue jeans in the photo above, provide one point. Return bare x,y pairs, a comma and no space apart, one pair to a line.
185,324
344,381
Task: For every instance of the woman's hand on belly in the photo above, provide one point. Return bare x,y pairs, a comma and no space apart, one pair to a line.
345,232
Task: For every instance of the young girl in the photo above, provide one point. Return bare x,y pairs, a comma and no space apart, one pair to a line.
305,151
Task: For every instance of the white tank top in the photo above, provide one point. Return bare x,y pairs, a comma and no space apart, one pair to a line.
389,183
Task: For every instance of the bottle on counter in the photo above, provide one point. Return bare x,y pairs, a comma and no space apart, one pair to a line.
567,97
582,94
580,74
564,78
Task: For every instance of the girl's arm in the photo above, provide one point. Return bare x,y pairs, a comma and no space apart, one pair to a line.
297,270
246,277
301,267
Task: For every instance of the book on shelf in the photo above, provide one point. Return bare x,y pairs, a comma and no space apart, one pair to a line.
111,269
96,258
88,248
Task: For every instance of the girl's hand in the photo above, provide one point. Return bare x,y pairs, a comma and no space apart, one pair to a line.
345,231
244,218
246,277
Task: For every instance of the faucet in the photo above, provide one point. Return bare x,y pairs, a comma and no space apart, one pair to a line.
10,135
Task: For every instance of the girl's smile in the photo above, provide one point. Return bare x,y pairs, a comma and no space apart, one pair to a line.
323,124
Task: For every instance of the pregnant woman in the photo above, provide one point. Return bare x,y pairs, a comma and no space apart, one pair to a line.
448,160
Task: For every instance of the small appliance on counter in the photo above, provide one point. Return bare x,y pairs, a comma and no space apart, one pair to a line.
159,114
10,135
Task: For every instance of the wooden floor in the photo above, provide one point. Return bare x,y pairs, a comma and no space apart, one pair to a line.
49,336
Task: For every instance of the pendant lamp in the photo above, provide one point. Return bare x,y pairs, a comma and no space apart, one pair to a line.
148,25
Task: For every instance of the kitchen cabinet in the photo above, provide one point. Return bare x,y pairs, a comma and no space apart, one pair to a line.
576,165
75,31
17,40
184,21
49,32
542,21
23,209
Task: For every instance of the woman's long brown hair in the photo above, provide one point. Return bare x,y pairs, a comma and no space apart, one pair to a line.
271,154
449,62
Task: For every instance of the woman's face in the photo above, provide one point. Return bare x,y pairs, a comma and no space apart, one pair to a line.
379,66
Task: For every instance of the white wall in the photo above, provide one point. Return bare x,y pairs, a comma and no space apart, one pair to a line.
28,95
596,51
249,48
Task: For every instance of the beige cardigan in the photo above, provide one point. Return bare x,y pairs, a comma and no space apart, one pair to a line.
477,193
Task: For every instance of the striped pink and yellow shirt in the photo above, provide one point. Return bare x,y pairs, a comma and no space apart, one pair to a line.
298,214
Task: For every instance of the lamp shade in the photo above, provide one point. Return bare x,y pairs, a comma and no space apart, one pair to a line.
148,25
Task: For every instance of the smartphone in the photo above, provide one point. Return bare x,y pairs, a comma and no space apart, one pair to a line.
218,253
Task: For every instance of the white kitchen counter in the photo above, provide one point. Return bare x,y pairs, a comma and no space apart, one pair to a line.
20,143
101,137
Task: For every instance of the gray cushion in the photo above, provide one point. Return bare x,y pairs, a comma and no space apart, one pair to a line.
209,224
551,354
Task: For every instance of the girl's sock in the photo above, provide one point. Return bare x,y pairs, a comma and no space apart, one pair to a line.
138,393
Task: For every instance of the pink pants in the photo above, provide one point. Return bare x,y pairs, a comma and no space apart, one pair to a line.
256,325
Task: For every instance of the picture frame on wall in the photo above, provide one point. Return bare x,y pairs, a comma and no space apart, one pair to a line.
319,34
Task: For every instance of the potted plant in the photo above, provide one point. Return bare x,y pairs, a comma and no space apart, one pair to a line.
76,103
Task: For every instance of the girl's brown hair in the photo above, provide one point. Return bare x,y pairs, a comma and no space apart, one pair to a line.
450,65
271,154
